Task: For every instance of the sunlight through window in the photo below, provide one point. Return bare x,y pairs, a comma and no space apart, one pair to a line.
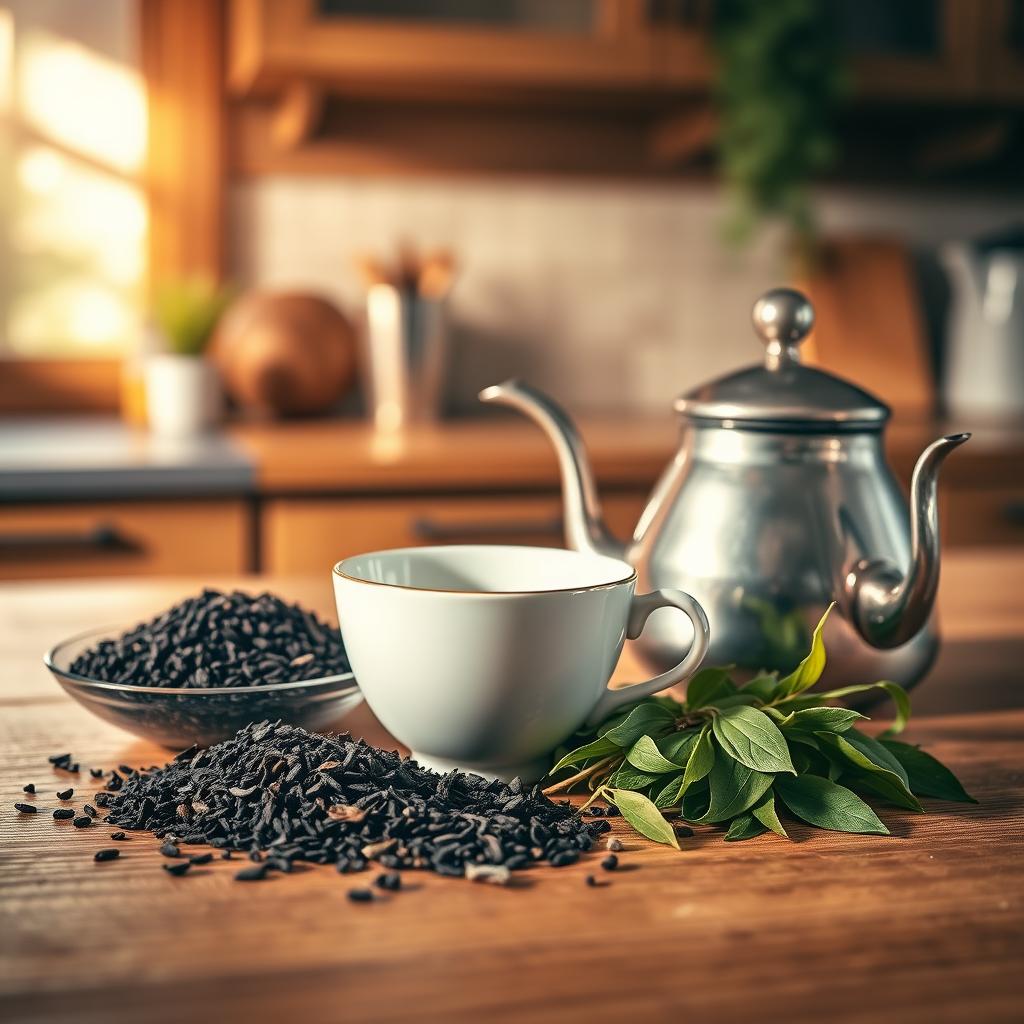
75,219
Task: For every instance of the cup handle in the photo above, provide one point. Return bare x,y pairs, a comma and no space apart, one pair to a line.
639,611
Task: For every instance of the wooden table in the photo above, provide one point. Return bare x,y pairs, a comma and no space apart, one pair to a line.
927,925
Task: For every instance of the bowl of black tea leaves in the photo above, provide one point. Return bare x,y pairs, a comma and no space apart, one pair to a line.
208,666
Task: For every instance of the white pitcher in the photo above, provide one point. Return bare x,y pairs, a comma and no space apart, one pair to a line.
984,373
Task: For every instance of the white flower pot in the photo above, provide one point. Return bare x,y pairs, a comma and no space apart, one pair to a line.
183,395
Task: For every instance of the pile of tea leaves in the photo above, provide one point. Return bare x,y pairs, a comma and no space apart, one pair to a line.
283,795
219,639
739,755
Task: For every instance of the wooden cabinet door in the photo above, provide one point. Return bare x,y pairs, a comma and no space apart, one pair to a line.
308,535
1001,46
124,538
434,45
912,49
982,516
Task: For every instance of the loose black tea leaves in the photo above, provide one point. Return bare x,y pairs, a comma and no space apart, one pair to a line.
63,814
108,854
26,808
290,795
217,640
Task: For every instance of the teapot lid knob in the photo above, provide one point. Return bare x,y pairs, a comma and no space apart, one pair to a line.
782,319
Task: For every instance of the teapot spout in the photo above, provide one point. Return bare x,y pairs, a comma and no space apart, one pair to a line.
887,608
585,530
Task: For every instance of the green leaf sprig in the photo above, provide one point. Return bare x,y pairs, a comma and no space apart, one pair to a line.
736,755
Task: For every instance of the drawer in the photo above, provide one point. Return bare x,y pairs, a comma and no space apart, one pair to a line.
308,535
986,516
124,539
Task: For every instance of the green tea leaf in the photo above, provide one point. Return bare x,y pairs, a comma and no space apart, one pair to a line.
820,720
878,755
791,704
753,739
763,687
808,672
628,777
695,802
701,761
928,776
668,793
644,816
647,719
669,703
894,690
885,786
736,700
764,811
706,685
828,805
872,769
645,755
601,747
678,746
735,788
613,720
746,826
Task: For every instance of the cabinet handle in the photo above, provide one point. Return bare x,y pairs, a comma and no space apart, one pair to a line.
104,539
426,528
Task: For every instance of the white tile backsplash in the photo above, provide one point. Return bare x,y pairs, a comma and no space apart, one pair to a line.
612,296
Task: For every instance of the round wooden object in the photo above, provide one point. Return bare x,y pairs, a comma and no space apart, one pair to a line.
284,353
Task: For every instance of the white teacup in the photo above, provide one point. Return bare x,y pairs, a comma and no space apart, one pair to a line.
485,658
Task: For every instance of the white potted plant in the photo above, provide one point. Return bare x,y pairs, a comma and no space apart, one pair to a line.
183,392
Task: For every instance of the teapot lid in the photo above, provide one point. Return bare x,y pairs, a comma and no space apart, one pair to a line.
782,391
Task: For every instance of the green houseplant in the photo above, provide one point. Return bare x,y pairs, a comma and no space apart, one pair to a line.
183,394
780,81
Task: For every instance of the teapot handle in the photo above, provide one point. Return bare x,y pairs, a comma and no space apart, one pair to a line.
640,609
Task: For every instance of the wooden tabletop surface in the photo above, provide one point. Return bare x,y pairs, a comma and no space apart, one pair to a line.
927,925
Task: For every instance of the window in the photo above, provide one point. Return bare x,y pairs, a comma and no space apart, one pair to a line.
73,216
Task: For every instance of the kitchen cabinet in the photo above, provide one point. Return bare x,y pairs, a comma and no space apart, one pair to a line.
982,516
391,47
914,49
124,538
1002,42
306,535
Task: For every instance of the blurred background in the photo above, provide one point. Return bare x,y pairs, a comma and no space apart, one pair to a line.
257,257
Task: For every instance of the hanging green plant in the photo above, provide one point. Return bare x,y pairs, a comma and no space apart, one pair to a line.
780,81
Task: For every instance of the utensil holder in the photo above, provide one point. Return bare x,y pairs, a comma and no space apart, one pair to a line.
406,345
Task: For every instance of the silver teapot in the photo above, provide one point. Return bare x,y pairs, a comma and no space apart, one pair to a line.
778,502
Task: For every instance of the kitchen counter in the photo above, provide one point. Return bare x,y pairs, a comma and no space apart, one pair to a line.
504,452
56,459
68,458
927,925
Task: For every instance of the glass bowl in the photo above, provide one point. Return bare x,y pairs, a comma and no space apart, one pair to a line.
176,718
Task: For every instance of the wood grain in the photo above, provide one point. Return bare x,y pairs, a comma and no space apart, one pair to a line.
925,926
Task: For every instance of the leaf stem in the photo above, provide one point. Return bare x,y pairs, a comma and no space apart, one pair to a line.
568,783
